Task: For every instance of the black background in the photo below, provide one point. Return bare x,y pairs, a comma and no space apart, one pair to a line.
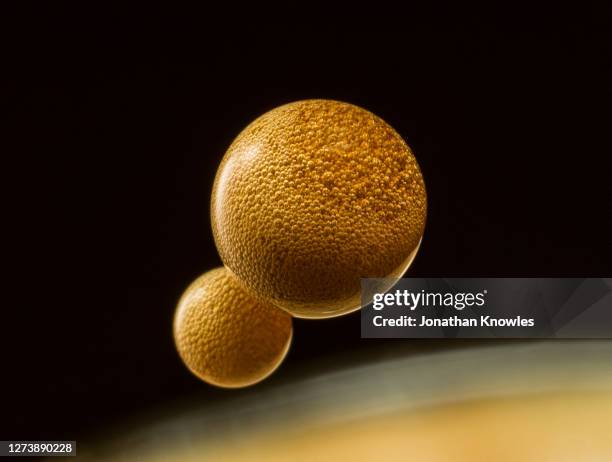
119,118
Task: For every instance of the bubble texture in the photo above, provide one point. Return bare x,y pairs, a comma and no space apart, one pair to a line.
311,197
227,337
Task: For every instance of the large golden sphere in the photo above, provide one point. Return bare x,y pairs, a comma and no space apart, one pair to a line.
225,336
311,197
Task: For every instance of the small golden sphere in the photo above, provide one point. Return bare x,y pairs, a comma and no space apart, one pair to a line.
225,336
311,197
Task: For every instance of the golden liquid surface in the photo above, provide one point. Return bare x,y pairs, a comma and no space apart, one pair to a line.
526,402
561,428
225,336
311,197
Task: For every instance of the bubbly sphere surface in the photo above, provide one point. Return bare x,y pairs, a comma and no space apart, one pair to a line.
225,336
311,197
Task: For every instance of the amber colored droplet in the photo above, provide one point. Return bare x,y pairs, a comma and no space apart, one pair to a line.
313,196
227,337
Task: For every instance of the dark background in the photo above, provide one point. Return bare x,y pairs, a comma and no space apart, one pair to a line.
118,120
